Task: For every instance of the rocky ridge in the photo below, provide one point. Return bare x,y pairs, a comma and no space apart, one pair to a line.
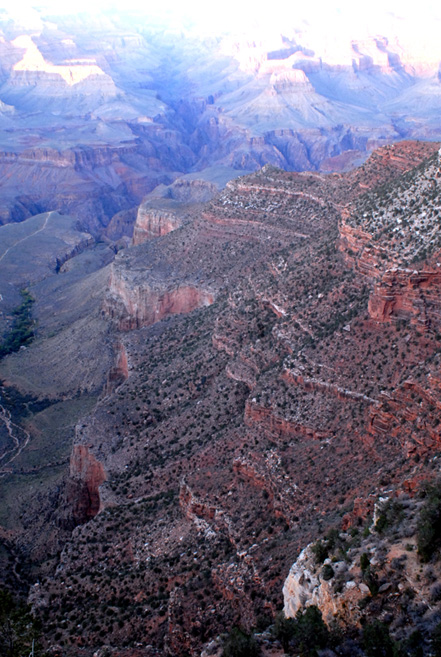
371,574
212,481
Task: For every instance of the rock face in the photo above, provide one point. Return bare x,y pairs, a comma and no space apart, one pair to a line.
408,295
66,181
278,428
381,569
377,243
86,476
120,372
169,207
121,225
190,191
132,304
48,79
304,587
152,223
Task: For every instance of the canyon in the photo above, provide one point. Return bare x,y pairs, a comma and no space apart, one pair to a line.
229,251
92,120
213,377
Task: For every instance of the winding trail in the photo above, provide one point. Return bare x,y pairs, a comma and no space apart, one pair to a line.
39,230
19,438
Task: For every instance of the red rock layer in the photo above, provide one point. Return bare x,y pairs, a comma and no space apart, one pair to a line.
275,426
134,305
407,294
153,223
86,475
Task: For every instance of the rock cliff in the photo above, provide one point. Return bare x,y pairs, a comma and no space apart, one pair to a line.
133,304
85,478
384,233
151,223
381,569
256,404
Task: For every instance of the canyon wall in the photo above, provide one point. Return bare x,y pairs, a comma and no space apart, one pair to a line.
133,304
82,495
151,223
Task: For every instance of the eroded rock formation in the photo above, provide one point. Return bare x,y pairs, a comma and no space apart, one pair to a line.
86,475
151,223
133,305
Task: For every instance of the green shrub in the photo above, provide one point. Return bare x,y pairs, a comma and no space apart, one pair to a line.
22,330
284,629
17,628
370,578
306,633
240,644
311,632
391,513
429,523
364,562
327,572
377,641
436,641
320,550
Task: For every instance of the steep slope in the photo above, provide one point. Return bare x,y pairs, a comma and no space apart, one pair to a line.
198,477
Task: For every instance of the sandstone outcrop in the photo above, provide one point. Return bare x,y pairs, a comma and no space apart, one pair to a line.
120,372
305,586
409,295
133,304
151,223
32,70
85,478
381,569
276,427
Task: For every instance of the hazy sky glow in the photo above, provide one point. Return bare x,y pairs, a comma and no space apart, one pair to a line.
416,22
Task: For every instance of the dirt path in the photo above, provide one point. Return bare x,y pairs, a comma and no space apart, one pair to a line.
19,438
39,230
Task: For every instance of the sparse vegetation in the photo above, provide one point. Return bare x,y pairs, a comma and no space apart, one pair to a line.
22,330
18,629
429,524
240,644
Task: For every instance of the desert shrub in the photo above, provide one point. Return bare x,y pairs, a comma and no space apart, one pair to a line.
22,330
305,634
364,561
377,641
284,629
240,644
320,550
436,641
429,523
17,628
327,572
413,645
311,632
371,579
391,513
